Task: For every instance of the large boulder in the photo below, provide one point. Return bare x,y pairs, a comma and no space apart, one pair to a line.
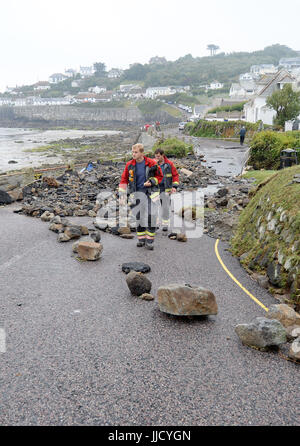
138,283
185,300
261,333
284,314
89,250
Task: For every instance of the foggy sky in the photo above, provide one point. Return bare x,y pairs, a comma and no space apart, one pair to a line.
42,38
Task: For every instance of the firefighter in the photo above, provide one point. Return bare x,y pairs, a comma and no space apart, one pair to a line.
168,185
141,178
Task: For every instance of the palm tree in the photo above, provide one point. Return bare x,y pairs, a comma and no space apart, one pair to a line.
212,48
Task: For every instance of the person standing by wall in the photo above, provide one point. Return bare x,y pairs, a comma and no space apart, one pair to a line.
242,135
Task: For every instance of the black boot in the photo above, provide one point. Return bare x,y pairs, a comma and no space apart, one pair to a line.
149,245
140,243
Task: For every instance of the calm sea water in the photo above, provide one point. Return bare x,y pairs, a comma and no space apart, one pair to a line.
14,141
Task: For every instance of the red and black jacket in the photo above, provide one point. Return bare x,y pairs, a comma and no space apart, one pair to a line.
153,174
171,177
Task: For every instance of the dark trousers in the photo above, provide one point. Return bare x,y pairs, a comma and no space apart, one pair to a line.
242,137
145,213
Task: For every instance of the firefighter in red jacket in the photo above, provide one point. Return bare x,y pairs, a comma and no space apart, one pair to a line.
141,178
168,185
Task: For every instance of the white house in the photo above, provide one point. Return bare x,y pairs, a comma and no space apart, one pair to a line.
86,71
70,72
256,109
97,89
215,85
263,69
42,85
115,73
246,77
153,92
56,78
290,62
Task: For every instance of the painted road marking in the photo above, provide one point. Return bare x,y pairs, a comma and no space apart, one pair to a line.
235,280
2,341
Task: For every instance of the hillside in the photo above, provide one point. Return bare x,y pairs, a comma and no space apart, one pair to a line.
186,70
267,238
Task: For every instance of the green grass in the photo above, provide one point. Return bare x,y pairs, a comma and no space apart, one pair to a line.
259,175
276,199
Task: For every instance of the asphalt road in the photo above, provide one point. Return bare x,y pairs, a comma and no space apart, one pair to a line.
80,350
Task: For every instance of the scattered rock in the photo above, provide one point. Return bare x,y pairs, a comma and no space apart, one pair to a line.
181,237
5,198
147,296
89,250
284,314
294,352
185,300
138,283
139,267
262,333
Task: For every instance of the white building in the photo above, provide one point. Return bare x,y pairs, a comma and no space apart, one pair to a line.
114,73
70,72
153,92
56,78
256,109
215,85
97,89
290,62
86,71
263,69
42,85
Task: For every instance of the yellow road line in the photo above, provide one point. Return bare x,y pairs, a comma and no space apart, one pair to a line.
235,280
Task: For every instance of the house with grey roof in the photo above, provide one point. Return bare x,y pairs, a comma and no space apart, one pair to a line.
256,109
56,78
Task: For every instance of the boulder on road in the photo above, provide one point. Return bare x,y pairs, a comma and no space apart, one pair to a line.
89,250
284,314
261,333
138,283
185,300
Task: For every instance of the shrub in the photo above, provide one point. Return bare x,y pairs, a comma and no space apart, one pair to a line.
266,148
173,147
222,129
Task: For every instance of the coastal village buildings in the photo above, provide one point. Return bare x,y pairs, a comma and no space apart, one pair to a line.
256,109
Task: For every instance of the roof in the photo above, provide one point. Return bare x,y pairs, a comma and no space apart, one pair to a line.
280,76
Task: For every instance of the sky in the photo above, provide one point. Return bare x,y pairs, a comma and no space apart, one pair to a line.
39,38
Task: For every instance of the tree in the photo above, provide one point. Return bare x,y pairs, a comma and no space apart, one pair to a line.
212,48
286,103
99,68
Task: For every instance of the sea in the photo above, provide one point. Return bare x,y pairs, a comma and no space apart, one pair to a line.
15,141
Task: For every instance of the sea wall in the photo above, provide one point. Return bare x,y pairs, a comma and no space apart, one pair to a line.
68,115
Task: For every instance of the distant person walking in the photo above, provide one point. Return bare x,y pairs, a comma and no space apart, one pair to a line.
242,135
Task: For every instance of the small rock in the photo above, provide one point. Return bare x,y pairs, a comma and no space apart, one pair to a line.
138,283
139,267
124,230
294,352
181,237
147,296
73,232
127,236
62,237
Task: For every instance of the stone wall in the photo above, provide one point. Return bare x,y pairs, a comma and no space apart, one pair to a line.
69,115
